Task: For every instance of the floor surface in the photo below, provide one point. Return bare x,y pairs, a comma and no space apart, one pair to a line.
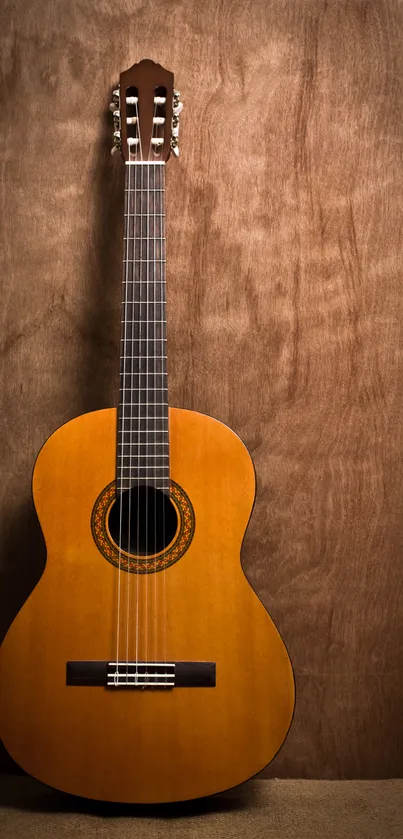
274,809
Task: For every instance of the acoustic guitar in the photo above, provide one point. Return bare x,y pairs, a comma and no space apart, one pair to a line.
143,667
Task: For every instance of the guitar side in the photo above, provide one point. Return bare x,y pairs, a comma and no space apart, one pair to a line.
144,746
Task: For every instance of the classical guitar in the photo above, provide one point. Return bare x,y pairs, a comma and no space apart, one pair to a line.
143,667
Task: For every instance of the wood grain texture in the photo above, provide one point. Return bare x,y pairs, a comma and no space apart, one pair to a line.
284,306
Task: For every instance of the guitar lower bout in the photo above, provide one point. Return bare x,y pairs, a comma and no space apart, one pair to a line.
154,745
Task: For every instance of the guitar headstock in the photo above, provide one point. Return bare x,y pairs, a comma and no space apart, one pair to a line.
146,112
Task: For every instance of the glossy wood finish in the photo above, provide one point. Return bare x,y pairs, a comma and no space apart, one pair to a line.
285,307
146,76
144,746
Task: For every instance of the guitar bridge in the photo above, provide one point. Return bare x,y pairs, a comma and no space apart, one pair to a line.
141,674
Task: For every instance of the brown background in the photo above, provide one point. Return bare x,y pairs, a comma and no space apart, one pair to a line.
284,306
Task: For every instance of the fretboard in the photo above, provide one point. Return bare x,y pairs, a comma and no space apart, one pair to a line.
143,444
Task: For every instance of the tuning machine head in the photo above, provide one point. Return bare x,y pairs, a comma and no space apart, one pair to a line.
115,108
177,107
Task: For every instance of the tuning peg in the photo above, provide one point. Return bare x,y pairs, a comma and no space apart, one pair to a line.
113,108
177,107
116,95
174,146
117,142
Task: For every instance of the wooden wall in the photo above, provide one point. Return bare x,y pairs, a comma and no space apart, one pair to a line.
284,302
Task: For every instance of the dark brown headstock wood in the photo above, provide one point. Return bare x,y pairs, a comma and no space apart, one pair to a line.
146,96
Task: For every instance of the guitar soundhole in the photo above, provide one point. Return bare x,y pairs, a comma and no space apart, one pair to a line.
143,521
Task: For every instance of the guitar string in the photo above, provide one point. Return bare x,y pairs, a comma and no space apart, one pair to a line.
155,343
149,389
155,436
155,439
164,382
129,195
147,396
119,482
153,443
154,391
160,393
140,373
131,214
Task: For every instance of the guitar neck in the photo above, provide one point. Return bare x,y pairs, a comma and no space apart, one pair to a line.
143,444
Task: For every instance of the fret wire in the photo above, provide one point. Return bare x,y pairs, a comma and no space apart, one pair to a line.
135,478
125,482
137,338
155,444
148,390
138,431
142,372
143,356
152,282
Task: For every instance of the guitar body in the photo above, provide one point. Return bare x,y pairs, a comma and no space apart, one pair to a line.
144,745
